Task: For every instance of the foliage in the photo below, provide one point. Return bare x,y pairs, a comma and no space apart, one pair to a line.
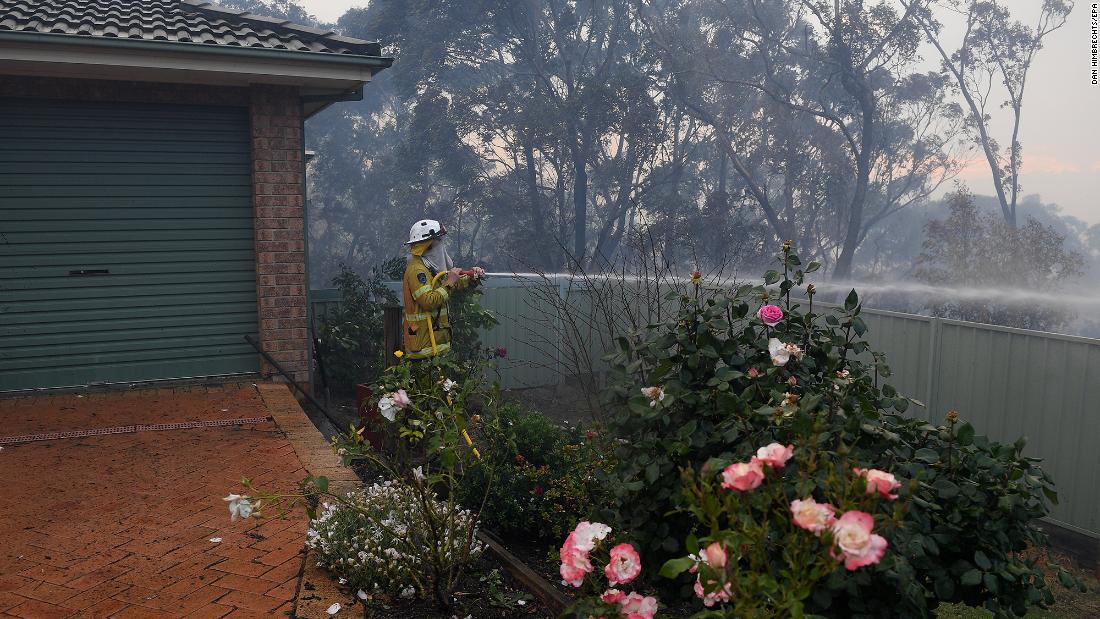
546,477
351,334
379,542
974,250
468,320
973,502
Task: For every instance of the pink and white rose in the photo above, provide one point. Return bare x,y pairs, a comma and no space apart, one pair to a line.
743,476
769,314
774,455
401,399
612,596
714,555
625,565
655,395
720,594
574,564
812,516
587,534
881,482
857,544
635,606
781,353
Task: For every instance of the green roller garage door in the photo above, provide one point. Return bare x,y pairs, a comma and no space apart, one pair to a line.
126,243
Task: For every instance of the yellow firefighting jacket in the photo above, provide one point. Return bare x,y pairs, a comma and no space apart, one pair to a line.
421,302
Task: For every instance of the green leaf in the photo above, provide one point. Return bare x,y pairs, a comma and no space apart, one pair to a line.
652,472
674,567
692,544
965,434
771,277
982,561
859,326
813,266
971,578
946,488
851,301
322,483
927,455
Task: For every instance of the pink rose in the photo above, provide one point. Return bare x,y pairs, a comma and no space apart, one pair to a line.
401,399
714,556
721,594
612,596
812,516
634,606
858,546
625,565
754,373
775,455
742,476
879,481
574,565
769,315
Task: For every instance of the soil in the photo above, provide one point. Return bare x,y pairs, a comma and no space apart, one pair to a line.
476,597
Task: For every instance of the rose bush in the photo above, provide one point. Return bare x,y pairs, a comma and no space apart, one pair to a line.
768,543
728,380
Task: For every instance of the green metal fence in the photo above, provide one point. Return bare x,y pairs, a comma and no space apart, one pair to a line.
1007,382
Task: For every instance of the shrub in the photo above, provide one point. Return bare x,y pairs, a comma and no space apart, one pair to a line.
351,335
545,477
378,541
722,375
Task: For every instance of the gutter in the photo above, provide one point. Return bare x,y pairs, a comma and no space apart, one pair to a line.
376,63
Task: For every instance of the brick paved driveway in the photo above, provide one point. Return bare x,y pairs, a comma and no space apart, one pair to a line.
120,525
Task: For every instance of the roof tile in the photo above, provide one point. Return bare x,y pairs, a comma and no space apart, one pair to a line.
182,21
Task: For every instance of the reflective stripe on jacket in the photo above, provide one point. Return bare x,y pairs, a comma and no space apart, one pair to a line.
423,302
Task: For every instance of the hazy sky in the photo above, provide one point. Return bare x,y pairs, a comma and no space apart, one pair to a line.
1060,132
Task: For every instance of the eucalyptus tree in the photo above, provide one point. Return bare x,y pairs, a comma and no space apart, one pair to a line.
989,69
818,106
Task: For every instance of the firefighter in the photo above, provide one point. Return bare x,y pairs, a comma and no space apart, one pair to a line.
425,297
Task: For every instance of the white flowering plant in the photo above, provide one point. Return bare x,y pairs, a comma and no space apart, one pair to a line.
429,415
374,542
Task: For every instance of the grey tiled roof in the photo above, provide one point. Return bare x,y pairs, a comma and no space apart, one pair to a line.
182,21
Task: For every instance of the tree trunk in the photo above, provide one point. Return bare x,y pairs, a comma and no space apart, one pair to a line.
580,199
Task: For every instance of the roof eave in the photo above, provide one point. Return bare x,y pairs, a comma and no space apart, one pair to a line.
376,63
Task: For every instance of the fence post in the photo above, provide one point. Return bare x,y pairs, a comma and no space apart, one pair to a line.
934,327
391,333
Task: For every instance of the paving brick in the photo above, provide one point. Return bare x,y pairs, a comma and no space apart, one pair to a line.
125,519
46,592
243,568
103,608
250,601
35,609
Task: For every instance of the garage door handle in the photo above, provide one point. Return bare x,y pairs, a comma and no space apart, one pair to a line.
90,272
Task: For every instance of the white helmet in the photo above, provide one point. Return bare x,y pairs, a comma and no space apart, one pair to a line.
426,229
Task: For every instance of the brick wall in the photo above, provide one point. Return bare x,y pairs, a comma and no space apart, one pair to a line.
279,198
